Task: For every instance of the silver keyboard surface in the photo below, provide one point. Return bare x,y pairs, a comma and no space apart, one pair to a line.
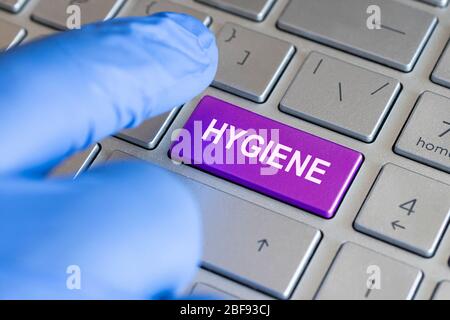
383,93
403,30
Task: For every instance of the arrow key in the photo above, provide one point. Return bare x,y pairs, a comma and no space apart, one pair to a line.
262,244
407,210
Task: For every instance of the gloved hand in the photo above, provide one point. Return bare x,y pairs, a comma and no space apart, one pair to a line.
131,229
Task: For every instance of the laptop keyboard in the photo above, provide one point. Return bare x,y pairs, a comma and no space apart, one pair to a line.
314,69
440,3
427,133
230,253
441,75
54,13
12,5
341,24
442,291
148,7
310,163
353,285
400,211
327,90
150,133
242,53
255,9
10,34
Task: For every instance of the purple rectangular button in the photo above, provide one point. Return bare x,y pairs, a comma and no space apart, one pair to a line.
267,156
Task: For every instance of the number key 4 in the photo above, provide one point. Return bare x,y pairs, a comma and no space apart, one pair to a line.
401,211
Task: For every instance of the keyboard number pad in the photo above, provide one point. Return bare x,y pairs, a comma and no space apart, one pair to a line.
426,137
406,209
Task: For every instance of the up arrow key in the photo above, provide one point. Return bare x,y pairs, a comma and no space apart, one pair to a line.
262,243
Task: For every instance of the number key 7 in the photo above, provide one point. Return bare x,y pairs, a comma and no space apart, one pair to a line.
445,132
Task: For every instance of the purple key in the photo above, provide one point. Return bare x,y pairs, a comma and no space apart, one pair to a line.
267,156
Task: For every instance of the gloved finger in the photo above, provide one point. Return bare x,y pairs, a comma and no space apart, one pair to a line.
63,93
130,229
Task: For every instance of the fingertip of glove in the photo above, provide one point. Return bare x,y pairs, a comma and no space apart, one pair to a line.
140,181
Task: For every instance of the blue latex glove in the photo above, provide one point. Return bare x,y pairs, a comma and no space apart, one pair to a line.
132,229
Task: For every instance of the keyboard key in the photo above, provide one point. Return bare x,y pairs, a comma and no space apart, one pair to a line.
54,13
12,5
255,9
344,25
341,96
442,291
441,74
150,133
406,209
250,244
149,7
77,164
438,3
426,136
250,62
265,250
282,162
10,35
358,273
207,291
